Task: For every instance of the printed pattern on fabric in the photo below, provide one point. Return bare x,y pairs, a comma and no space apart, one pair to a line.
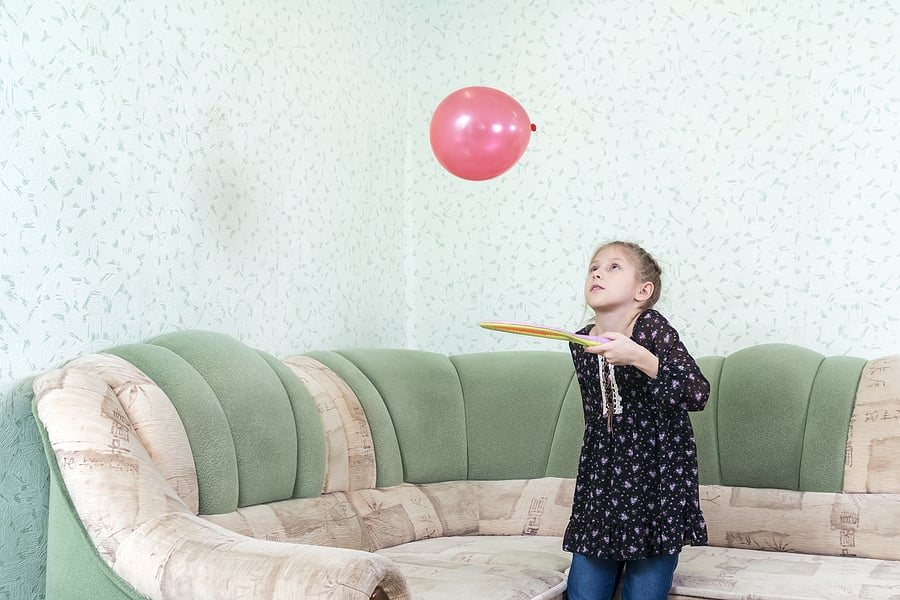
636,494
328,520
109,475
409,512
739,574
532,552
537,507
435,578
179,556
154,418
862,525
348,439
873,441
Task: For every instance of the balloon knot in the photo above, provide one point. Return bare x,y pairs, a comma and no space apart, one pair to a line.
533,127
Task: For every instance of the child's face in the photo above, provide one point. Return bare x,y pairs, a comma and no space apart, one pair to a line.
613,280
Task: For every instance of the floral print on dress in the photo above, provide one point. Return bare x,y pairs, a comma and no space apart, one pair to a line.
637,489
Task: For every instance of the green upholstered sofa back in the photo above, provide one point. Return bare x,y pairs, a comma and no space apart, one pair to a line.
254,429
777,417
497,415
256,435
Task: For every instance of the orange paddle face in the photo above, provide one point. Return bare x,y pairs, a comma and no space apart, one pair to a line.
543,331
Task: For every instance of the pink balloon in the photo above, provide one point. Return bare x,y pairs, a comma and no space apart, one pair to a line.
478,132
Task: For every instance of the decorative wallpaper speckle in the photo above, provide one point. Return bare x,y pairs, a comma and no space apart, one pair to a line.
263,169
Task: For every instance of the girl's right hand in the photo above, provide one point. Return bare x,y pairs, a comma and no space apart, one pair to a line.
622,350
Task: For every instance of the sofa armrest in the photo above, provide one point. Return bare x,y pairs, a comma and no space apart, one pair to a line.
179,555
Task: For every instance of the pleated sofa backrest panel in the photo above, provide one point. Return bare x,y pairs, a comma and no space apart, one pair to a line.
253,428
704,423
496,415
423,397
777,417
513,404
386,447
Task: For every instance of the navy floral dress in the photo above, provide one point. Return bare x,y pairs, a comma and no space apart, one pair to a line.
637,494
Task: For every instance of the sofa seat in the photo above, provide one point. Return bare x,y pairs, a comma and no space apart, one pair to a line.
510,567
740,574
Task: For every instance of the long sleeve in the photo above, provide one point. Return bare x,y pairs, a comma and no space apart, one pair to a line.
679,381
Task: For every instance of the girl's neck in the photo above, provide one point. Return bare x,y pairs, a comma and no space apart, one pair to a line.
619,321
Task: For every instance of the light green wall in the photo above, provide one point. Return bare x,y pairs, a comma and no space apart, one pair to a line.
264,171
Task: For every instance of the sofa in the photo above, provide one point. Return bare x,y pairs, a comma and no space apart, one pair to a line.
193,466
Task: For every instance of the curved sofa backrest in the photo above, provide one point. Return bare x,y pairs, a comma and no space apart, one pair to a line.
256,433
253,428
497,415
777,417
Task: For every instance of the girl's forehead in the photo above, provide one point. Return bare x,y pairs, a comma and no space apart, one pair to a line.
611,253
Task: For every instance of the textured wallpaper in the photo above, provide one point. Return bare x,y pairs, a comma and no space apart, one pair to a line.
752,147
263,169
170,164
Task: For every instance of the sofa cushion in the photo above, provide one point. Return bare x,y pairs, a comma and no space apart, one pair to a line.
864,525
525,507
527,551
328,520
203,418
705,421
254,430
488,568
738,574
256,406
408,512
153,418
831,404
109,476
181,556
435,578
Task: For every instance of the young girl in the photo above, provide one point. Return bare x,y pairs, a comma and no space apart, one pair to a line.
636,496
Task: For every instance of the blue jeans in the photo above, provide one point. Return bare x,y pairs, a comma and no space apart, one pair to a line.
643,579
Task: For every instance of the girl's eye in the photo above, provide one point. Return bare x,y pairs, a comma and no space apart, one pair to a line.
614,267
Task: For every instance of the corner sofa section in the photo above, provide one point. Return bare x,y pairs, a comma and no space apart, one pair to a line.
800,478
195,466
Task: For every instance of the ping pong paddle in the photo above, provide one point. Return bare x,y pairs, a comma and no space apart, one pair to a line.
542,331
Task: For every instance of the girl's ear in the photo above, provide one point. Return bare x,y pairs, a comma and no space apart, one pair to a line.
645,291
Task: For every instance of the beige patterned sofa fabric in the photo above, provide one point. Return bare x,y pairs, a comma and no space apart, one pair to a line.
525,507
863,525
329,520
348,440
113,481
408,512
154,419
741,574
873,444
181,556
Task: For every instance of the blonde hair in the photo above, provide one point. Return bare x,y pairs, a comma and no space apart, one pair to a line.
648,268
